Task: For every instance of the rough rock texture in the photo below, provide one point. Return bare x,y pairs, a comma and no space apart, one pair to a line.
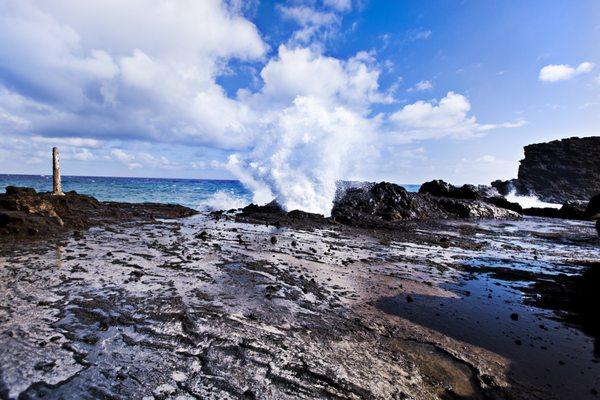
24,212
593,208
577,210
443,189
390,202
558,171
439,188
206,308
569,210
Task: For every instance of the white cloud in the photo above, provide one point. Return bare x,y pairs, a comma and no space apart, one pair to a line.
296,72
421,86
122,156
312,22
83,155
447,117
563,72
119,70
339,5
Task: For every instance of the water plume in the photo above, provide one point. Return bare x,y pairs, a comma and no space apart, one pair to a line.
301,155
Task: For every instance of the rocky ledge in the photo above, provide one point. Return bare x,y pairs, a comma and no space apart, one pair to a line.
558,171
436,200
382,204
24,212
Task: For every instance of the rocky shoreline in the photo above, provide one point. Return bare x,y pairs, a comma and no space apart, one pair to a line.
26,213
450,293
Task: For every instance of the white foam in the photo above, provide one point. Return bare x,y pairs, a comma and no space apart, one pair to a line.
301,155
530,201
223,200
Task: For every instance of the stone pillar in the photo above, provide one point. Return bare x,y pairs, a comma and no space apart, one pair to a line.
56,186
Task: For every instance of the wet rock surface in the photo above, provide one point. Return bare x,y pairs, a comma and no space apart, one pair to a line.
558,171
437,199
212,307
24,212
577,210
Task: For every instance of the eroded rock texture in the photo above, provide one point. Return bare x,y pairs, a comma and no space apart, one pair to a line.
390,202
208,307
24,212
558,171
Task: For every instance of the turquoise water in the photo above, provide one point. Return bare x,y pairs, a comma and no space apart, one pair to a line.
194,193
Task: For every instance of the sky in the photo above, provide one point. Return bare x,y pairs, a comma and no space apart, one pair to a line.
301,91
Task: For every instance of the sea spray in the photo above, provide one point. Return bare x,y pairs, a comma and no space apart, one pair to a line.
303,152
529,201
223,200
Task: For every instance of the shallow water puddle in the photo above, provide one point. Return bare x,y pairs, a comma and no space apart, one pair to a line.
490,314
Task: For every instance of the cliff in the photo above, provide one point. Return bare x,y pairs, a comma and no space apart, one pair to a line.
558,171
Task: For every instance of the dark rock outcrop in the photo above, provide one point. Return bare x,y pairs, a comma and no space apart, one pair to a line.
546,212
593,207
440,188
574,210
592,211
24,212
558,171
273,214
577,210
390,202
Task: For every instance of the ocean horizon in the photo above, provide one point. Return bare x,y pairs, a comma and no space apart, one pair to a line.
200,194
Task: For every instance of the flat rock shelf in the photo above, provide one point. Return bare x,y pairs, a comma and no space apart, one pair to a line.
233,305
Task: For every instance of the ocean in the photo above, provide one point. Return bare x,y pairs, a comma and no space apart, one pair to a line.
200,194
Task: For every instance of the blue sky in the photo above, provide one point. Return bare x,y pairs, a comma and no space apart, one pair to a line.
306,91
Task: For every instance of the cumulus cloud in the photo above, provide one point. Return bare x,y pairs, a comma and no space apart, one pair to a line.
303,72
433,119
120,70
564,72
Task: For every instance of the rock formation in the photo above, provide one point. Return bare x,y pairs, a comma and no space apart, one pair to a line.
437,199
24,212
558,171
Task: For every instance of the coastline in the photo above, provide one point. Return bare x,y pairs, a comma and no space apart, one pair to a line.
287,305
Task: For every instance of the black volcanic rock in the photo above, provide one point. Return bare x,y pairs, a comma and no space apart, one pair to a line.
558,171
576,210
439,188
593,208
274,214
386,201
547,212
271,208
500,201
443,189
390,202
24,212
